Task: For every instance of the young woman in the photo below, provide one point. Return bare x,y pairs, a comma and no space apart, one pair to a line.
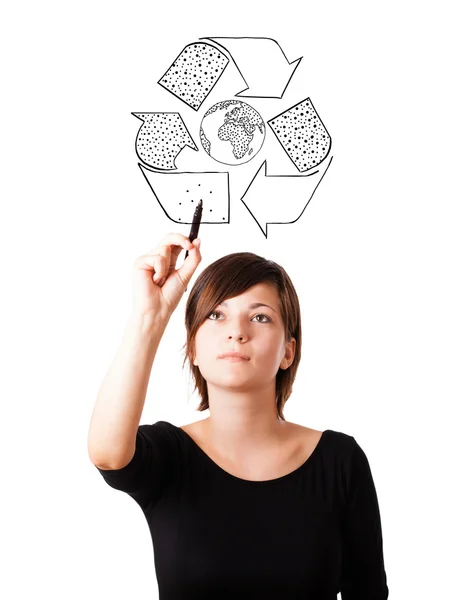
242,504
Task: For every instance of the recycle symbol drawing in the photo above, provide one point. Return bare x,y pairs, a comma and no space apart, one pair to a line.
190,153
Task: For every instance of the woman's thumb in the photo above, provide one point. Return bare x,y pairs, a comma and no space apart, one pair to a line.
191,262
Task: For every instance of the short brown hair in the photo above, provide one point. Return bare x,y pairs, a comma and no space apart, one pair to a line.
231,276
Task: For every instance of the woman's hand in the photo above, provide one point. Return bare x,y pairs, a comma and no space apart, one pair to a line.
158,286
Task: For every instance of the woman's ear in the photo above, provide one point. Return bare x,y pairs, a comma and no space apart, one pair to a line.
194,360
289,355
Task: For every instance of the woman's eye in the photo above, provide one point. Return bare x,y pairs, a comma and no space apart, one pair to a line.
265,316
216,312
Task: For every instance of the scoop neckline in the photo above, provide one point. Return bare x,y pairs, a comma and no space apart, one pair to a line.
265,481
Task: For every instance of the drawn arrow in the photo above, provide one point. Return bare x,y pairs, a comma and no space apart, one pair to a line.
278,198
262,64
161,138
179,193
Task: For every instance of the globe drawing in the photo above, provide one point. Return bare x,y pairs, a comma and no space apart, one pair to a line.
232,132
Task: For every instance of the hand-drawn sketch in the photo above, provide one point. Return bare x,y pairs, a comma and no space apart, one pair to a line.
194,73
278,199
242,126
177,193
302,135
232,133
261,62
160,139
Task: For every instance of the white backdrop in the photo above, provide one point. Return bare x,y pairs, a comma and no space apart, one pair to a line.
383,260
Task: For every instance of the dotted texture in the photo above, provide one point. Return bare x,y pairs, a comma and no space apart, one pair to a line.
205,141
302,135
179,194
160,139
194,73
238,126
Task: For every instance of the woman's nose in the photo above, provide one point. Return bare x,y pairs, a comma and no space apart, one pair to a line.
240,338
237,331
237,328
237,334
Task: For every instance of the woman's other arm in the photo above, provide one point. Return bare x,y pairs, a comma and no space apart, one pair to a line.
363,567
120,402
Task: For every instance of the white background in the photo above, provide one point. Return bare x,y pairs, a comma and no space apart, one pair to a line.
383,260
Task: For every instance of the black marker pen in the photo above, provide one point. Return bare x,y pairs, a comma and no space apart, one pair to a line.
197,217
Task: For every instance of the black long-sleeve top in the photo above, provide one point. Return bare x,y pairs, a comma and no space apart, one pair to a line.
312,533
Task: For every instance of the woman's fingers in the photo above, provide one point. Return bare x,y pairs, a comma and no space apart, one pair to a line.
192,261
160,261
173,239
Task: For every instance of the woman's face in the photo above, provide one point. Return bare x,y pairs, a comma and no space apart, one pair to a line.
256,331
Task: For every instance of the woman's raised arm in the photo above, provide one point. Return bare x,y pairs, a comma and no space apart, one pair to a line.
158,288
